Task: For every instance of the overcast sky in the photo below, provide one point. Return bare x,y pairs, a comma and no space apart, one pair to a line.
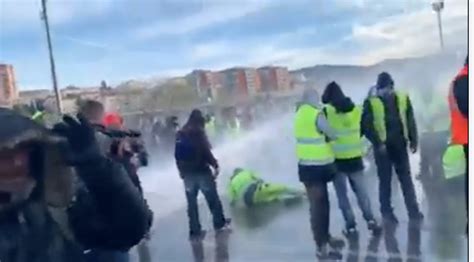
118,40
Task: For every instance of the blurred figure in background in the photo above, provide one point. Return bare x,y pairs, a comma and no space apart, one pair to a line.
433,123
211,127
345,120
198,168
388,122
316,169
168,136
459,107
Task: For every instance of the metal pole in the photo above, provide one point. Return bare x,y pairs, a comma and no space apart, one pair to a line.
51,58
440,29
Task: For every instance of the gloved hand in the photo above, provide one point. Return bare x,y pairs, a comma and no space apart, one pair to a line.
83,146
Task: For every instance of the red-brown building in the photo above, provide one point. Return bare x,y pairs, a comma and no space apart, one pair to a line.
8,89
241,81
274,78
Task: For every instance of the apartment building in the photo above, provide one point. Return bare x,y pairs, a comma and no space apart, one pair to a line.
8,88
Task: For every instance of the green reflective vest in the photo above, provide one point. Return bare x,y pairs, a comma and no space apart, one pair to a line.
211,127
38,117
239,184
233,128
348,143
378,111
311,146
454,162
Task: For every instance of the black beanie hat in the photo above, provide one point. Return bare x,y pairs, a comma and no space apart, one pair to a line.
384,79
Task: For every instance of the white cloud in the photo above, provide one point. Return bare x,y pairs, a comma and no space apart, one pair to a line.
21,14
215,13
409,33
209,50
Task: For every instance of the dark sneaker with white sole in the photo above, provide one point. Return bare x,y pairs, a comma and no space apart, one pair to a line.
373,226
350,232
226,226
327,253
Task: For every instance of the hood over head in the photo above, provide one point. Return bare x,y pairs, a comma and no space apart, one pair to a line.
311,97
334,96
385,81
46,163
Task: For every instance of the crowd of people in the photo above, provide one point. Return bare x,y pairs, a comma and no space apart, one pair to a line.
330,149
71,191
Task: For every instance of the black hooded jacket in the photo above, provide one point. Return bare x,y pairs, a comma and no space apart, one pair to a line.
334,96
193,134
393,123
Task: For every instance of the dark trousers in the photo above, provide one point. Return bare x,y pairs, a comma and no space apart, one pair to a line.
207,185
319,211
466,155
397,157
432,147
106,256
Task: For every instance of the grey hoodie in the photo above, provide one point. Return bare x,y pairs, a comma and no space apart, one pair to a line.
311,97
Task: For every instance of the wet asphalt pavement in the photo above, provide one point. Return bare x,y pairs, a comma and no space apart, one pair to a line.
282,233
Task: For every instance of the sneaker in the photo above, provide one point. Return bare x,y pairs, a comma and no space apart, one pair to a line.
197,236
336,243
416,216
374,227
350,232
390,218
326,252
226,226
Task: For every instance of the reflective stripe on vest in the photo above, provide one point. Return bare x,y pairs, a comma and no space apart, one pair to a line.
454,162
348,143
378,111
459,124
38,115
311,146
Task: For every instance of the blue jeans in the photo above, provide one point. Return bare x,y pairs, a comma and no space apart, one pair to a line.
359,186
207,185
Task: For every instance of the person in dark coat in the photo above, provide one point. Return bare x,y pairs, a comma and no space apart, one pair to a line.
198,168
60,196
397,121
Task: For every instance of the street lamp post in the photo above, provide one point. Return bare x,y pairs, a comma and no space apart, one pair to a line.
438,6
44,16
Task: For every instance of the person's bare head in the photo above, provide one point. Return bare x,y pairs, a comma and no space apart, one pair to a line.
92,110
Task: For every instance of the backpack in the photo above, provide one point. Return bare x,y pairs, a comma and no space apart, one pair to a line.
185,150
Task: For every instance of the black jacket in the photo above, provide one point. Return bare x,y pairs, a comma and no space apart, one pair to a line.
345,105
203,158
461,94
393,123
110,211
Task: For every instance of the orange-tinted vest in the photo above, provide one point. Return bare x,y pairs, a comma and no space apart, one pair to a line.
459,123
